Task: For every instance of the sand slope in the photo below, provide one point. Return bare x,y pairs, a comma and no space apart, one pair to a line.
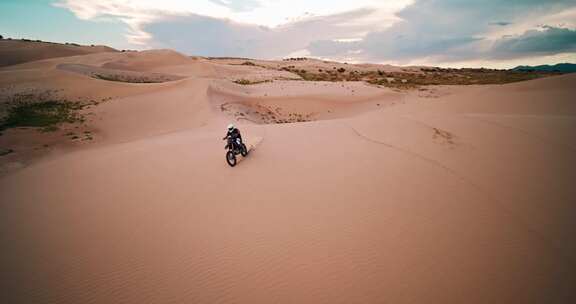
18,51
463,198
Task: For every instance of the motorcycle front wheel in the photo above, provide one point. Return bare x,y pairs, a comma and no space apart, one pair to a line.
231,158
243,150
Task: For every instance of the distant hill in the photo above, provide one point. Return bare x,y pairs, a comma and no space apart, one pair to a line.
15,51
560,67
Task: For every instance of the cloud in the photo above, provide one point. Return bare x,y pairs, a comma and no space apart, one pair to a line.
242,17
404,32
500,23
135,14
207,36
332,48
547,41
239,5
452,30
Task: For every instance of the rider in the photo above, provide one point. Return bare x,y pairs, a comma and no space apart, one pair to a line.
233,134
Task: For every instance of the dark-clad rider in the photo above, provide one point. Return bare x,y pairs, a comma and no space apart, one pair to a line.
233,134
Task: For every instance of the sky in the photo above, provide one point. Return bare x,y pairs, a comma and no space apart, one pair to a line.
448,33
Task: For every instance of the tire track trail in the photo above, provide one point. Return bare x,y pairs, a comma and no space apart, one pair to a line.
495,201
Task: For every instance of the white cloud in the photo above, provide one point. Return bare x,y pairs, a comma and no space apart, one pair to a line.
269,13
201,35
273,13
562,18
438,31
404,31
136,14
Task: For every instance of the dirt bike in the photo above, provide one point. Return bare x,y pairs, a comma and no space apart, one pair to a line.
234,148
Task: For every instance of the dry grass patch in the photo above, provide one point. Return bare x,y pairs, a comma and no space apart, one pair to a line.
250,82
410,79
44,111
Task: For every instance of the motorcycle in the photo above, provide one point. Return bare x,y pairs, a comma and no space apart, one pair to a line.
234,148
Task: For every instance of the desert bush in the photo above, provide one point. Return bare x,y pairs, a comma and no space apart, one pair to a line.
412,78
39,111
127,78
248,82
295,59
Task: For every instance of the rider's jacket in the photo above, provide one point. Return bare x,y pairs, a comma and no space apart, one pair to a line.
234,133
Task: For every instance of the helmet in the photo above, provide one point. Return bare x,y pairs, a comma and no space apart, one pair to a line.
230,126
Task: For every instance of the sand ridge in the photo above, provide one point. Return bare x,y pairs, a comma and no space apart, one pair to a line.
20,51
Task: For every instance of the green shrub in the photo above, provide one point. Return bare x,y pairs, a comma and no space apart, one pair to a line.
44,114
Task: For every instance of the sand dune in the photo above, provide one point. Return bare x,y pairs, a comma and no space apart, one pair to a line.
146,60
18,51
115,75
297,101
449,195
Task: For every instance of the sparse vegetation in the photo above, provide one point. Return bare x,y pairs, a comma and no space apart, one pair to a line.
45,114
413,78
250,82
295,59
130,78
248,63
42,111
438,76
264,114
323,75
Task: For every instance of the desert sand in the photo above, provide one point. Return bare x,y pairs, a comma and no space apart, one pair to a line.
20,51
351,193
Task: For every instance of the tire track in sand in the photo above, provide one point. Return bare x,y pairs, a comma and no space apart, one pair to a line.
496,202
